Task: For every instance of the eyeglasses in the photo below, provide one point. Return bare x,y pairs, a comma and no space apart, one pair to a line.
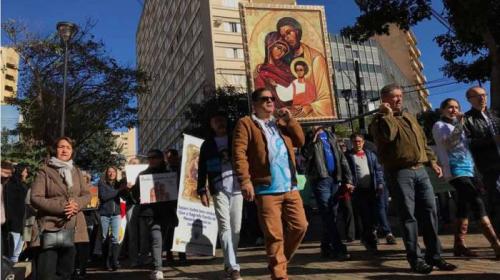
267,98
479,96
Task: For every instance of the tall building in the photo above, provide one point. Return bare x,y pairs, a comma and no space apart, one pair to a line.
377,68
9,114
188,47
128,142
401,47
10,65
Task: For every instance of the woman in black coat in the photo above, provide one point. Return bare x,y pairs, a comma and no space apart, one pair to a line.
15,195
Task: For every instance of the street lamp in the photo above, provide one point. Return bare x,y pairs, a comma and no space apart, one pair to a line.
66,31
347,93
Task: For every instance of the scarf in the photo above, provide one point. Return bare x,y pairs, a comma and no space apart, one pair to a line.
64,168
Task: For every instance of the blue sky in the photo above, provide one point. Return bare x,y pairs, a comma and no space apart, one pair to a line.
116,24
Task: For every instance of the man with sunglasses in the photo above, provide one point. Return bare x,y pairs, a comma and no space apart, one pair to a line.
264,162
482,126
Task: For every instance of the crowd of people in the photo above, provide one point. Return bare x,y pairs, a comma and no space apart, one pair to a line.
251,172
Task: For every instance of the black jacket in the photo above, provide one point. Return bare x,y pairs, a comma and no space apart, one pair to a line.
315,158
14,197
482,144
109,197
210,164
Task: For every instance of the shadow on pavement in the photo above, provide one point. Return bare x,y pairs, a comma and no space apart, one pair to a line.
464,276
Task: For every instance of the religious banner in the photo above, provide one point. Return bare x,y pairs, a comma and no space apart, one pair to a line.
197,229
286,51
158,187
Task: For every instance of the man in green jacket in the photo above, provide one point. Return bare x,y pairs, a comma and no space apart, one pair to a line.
403,151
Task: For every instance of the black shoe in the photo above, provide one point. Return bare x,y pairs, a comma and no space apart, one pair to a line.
341,257
170,257
442,265
325,253
182,259
421,267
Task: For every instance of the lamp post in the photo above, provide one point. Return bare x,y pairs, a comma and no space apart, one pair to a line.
66,31
346,93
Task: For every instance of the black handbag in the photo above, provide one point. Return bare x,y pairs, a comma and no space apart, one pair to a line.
62,238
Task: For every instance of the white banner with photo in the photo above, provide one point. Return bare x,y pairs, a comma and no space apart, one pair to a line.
158,187
197,230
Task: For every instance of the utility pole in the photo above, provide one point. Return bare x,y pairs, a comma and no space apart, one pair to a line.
360,99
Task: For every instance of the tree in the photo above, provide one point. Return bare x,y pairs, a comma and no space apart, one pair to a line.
471,47
100,93
229,99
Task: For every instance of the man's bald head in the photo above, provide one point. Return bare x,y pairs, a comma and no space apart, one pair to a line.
477,97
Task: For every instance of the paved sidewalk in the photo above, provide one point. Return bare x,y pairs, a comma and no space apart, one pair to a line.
307,264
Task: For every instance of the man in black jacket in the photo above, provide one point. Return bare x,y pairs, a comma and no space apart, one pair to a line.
483,130
327,170
215,163
154,213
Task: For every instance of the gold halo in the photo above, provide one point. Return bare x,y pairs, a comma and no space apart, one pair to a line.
292,67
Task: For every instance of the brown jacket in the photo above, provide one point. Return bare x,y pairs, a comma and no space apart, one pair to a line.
401,142
251,161
49,195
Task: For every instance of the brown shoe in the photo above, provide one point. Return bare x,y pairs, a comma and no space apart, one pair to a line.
234,275
459,248
490,235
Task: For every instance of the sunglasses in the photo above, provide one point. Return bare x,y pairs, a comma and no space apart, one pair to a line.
267,98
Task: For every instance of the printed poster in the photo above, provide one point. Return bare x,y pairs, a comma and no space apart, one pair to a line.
133,170
286,51
197,230
158,187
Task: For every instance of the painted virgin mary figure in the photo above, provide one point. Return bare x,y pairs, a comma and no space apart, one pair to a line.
274,71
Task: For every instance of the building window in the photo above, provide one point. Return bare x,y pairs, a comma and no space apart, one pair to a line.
234,53
9,77
230,3
232,27
9,88
355,54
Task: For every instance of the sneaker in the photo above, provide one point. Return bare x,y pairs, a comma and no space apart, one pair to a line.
156,275
391,240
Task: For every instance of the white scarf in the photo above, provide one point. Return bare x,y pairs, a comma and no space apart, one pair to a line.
64,168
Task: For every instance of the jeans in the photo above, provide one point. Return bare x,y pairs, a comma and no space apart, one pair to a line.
324,191
157,232
382,205
55,264
114,222
284,224
17,243
229,209
414,197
